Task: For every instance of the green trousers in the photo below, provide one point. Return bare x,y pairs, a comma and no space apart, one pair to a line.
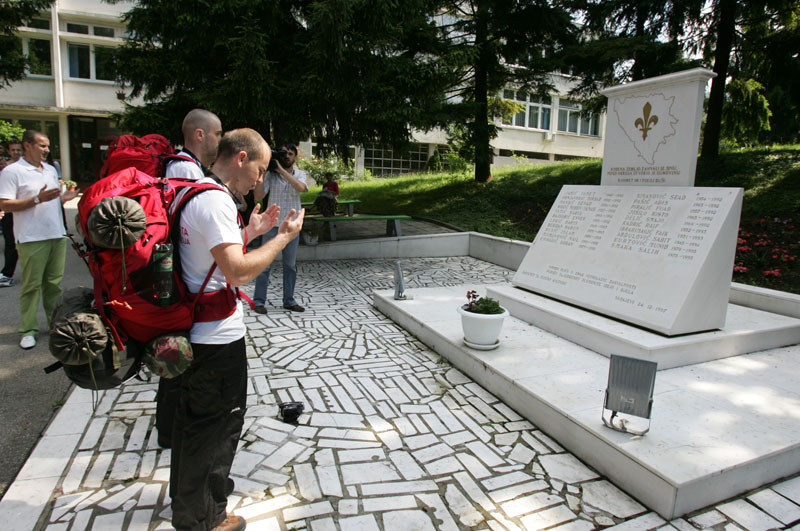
42,270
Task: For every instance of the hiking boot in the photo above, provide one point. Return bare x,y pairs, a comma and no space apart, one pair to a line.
295,308
27,342
232,523
6,282
260,309
164,441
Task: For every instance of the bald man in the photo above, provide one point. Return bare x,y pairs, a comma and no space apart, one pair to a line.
202,130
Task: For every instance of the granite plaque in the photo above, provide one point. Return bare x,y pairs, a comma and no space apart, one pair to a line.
658,257
652,130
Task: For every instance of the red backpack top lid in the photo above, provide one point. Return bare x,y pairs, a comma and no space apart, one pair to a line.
148,154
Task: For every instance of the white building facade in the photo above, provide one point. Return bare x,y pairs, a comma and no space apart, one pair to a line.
69,93
549,129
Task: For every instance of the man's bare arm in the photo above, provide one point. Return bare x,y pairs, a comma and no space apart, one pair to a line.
240,268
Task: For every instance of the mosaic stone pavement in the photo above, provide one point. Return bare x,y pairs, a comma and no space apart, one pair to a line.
393,437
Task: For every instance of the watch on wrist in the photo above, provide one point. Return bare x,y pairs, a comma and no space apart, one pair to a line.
36,200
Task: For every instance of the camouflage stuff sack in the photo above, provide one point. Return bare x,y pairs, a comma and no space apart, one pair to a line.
77,334
116,223
169,355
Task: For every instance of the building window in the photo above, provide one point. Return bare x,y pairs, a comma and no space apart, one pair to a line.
38,23
78,28
536,112
38,53
104,63
102,31
79,60
571,119
91,62
384,160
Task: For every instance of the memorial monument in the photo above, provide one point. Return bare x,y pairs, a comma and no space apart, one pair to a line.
639,266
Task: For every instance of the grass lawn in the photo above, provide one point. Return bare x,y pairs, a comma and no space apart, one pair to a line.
516,201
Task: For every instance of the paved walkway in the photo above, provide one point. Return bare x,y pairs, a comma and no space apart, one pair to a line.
393,437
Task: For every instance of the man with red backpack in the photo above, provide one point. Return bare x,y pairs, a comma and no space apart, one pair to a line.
210,417
202,131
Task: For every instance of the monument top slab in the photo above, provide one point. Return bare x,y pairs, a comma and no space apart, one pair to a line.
652,130
677,78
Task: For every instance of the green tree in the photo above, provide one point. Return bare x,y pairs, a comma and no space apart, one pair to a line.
497,43
371,71
12,15
734,41
628,40
10,130
770,55
235,57
745,113
343,72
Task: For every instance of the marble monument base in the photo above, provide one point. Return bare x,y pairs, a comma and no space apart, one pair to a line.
719,428
746,330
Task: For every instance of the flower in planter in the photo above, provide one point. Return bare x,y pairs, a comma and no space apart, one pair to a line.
483,305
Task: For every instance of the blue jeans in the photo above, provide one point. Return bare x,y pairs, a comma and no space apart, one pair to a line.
289,259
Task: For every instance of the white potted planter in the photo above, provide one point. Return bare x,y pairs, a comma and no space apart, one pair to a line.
481,330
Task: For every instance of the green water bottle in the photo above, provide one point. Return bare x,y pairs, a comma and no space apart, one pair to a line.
162,270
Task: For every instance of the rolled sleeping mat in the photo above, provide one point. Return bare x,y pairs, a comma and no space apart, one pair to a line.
116,223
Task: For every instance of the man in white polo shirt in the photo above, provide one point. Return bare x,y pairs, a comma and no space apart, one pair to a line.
30,189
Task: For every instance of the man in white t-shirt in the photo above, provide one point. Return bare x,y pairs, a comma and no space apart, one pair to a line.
30,189
210,417
202,130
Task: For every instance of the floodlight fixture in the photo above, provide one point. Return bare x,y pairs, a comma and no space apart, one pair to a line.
631,382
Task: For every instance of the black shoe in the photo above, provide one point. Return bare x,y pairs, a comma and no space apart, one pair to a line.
260,309
295,308
229,487
164,441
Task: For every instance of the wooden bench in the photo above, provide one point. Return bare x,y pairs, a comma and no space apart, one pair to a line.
349,203
392,223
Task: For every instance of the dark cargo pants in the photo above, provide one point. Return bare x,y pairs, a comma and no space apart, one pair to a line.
208,424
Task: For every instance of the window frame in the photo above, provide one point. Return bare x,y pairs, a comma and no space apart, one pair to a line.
26,50
530,101
571,112
93,58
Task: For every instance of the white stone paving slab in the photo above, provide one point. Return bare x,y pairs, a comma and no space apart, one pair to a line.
606,497
776,506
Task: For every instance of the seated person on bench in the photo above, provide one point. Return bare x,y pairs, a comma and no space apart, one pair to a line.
326,201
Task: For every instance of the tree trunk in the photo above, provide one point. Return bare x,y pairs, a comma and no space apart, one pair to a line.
638,59
727,24
483,151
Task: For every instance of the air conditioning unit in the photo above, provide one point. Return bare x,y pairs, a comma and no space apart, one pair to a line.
548,136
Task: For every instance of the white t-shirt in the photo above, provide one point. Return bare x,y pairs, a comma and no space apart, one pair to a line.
44,221
208,220
184,169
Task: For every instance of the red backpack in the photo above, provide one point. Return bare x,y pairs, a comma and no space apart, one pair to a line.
149,153
126,282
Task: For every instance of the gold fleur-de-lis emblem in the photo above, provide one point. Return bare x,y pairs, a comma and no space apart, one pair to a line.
647,122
